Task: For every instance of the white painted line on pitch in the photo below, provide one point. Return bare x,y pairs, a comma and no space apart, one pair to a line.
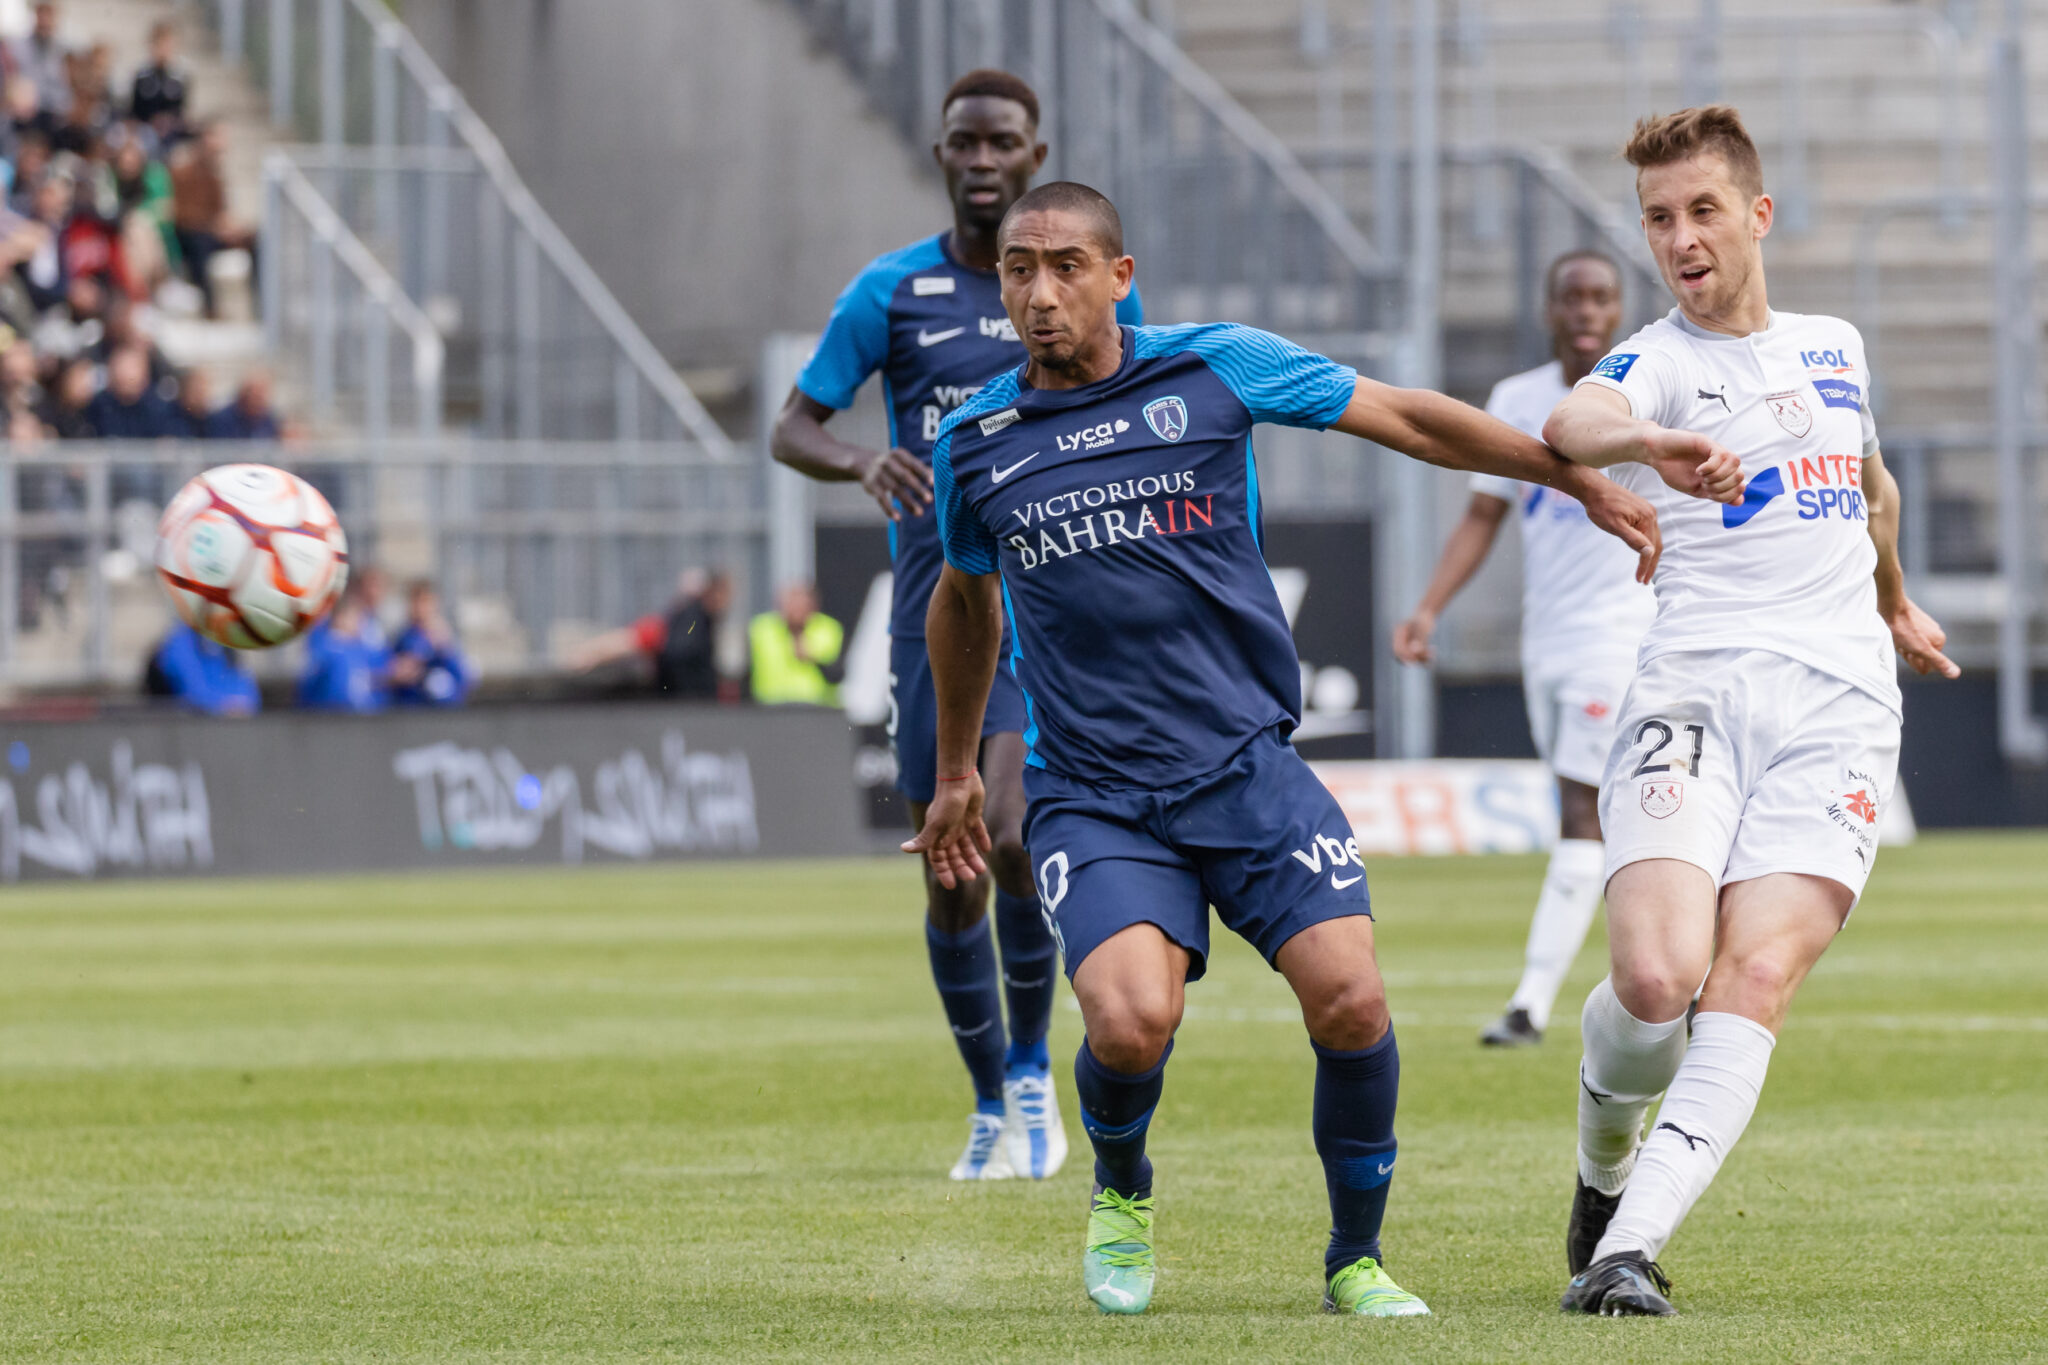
1928,1023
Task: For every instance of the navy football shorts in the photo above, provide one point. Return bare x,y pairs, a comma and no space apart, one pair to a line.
914,715
1260,838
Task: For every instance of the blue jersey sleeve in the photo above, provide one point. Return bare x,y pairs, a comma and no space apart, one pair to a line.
968,545
856,339
1275,379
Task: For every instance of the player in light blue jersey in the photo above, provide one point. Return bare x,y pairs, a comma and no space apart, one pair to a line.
929,317
1104,497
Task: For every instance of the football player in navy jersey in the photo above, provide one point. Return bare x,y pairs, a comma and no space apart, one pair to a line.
1103,497
930,318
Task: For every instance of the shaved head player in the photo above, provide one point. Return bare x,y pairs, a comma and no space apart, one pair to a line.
930,318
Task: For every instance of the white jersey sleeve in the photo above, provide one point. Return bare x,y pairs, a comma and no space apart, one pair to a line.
1645,373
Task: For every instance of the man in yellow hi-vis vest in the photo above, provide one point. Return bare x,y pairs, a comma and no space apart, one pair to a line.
795,650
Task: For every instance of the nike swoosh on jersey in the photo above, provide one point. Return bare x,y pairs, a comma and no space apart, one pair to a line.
998,475
1336,885
925,338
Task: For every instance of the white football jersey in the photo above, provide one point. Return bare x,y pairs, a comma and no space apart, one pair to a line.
1580,599
1788,569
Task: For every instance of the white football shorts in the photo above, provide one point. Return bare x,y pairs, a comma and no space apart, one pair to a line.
1572,712
1743,763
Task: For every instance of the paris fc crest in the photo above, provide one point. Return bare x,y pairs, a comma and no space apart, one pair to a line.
1168,417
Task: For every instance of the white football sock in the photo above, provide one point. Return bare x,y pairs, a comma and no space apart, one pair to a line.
1704,1113
1627,1064
1564,912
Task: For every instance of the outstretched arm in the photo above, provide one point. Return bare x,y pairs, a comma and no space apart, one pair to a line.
1594,426
963,629
1914,633
891,477
1462,555
1442,431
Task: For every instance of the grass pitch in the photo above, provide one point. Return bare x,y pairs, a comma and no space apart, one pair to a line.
705,1113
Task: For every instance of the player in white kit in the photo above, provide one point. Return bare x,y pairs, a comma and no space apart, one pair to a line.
1760,737
1583,614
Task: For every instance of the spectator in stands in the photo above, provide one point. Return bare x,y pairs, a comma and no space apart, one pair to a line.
137,188
427,667
794,650
39,57
75,327
129,408
680,642
26,120
347,666
20,389
89,72
202,674
195,403
199,198
43,272
31,163
250,417
67,408
157,96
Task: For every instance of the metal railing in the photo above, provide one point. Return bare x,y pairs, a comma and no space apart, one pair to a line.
1672,53
1224,219
534,544
331,307
348,74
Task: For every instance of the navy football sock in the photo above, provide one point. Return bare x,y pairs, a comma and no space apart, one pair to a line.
1354,1128
964,966
1030,975
1116,1110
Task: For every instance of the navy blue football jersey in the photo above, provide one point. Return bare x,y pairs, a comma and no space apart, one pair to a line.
1124,519
936,330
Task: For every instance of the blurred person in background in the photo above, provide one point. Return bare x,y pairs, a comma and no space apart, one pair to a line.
21,390
678,643
129,408
427,667
251,417
75,327
347,665
156,97
43,271
202,674
31,163
199,198
66,409
138,189
39,58
793,651
195,403
89,71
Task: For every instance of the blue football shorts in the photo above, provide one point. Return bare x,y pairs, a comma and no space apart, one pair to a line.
914,714
1260,838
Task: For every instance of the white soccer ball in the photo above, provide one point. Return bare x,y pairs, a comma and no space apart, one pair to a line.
251,556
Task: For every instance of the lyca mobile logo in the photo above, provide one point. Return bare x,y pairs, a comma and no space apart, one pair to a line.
1095,437
1002,329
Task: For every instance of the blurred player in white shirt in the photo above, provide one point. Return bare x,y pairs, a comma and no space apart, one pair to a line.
1583,614
1760,737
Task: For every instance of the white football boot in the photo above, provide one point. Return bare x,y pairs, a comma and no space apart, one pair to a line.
1032,1131
986,1158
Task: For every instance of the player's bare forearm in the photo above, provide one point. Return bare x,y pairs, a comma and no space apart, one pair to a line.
963,631
897,480
1594,427
1442,431
1881,499
1466,549
800,441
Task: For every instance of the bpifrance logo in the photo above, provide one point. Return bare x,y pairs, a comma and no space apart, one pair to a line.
1168,417
1661,800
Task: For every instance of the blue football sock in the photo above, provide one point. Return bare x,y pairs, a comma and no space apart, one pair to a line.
1030,977
1116,1110
1354,1128
964,966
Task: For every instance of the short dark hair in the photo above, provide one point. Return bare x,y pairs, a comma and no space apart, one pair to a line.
1070,196
1573,257
1001,85
1710,128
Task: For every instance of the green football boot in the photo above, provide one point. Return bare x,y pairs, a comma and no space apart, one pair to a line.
1365,1289
1117,1267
